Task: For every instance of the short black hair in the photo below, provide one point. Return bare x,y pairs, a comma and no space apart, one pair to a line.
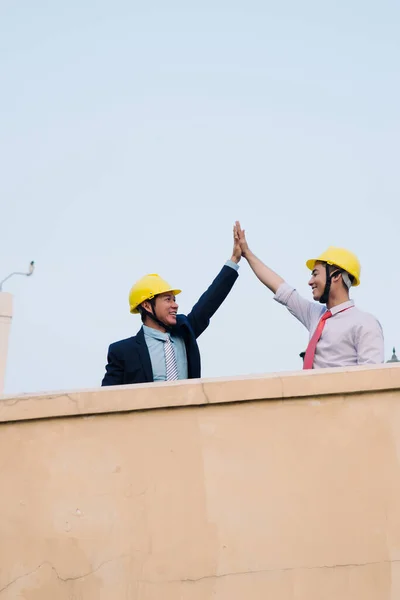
142,311
333,268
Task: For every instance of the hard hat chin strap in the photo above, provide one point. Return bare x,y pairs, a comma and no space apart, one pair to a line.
153,315
325,296
346,279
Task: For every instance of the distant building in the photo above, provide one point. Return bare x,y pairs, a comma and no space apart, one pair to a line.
394,357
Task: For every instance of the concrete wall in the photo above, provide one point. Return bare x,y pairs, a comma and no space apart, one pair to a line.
278,487
6,306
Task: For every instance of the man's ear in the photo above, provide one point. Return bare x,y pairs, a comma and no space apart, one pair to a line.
147,306
335,274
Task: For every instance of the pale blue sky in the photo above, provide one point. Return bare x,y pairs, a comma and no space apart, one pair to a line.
134,134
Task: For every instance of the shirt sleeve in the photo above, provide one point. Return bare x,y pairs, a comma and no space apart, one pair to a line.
370,342
232,265
305,311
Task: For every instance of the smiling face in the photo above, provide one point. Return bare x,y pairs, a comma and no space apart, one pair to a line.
166,309
318,280
338,289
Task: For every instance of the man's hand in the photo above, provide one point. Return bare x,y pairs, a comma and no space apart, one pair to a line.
266,275
237,252
239,235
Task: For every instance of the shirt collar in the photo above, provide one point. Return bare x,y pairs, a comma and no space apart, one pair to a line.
155,333
340,307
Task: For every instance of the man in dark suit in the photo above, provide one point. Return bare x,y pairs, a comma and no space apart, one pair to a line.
165,348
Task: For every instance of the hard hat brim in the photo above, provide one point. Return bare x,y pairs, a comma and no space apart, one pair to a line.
135,311
311,264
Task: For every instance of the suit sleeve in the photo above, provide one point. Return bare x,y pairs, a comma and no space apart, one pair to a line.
114,369
201,313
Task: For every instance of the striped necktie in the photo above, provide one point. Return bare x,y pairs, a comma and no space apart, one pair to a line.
170,360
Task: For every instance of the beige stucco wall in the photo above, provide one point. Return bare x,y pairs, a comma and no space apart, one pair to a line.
278,487
6,309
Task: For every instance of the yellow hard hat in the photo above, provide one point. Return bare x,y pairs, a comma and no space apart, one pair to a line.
146,288
340,257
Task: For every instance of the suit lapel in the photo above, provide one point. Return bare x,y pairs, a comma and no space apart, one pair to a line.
144,355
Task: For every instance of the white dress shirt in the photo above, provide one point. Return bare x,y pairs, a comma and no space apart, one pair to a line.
349,338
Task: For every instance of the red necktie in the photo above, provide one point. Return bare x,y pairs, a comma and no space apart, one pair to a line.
312,344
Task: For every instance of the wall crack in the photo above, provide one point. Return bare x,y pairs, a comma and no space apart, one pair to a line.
280,570
63,579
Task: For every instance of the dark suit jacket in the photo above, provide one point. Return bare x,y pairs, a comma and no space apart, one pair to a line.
129,360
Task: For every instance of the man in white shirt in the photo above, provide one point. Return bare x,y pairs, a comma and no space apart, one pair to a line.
340,334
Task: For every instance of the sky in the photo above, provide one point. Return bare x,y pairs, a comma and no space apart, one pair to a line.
133,135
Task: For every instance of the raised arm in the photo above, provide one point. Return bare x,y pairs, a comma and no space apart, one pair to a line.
201,313
307,312
266,275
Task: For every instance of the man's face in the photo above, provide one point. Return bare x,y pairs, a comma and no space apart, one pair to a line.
318,280
166,308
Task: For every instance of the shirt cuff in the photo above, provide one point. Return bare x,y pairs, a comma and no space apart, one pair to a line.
232,265
283,293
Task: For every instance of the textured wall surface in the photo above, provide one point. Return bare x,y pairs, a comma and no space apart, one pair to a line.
6,311
278,487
